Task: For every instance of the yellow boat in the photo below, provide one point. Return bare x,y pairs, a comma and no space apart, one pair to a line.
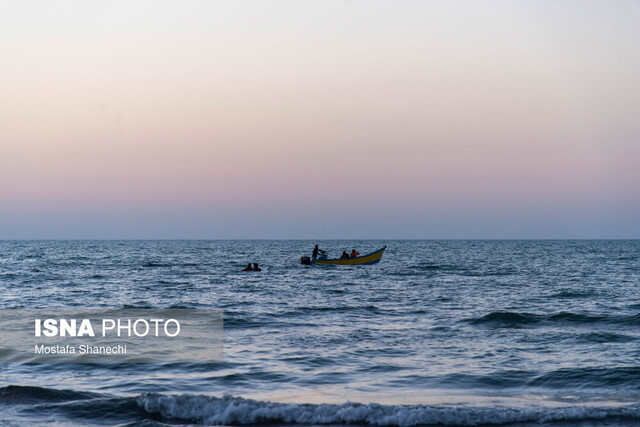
372,258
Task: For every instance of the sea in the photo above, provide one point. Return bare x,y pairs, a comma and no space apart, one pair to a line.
440,332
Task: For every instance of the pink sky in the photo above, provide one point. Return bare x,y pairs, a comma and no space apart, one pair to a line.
242,119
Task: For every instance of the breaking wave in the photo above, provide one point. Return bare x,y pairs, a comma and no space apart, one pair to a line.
69,405
232,410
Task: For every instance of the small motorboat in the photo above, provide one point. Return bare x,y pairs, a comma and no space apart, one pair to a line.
372,258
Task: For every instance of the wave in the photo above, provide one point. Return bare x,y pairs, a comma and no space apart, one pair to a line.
506,318
569,294
606,337
231,410
627,377
422,270
336,309
155,264
585,378
152,408
515,319
14,394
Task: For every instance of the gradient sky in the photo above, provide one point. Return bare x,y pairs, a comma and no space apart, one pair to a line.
320,119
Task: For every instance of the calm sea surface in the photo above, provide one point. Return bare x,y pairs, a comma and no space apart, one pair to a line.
439,332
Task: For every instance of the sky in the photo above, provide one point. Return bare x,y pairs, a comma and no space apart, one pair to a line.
320,119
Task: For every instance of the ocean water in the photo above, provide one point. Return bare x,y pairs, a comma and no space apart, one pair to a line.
438,333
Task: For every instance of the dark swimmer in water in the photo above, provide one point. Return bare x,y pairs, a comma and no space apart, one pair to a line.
248,268
255,267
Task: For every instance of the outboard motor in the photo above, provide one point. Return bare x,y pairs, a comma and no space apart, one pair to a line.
305,260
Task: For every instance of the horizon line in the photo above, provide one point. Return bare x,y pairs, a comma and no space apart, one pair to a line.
328,239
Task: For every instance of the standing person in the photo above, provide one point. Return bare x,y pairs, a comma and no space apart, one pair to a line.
248,268
354,253
316,251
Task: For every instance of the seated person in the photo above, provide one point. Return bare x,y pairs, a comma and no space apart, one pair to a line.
345,255
255,267
354,253
248,268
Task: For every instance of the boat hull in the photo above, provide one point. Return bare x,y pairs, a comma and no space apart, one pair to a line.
372,258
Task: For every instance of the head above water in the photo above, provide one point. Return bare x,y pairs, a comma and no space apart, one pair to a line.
255,265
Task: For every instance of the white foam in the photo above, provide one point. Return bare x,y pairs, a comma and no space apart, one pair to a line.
237,410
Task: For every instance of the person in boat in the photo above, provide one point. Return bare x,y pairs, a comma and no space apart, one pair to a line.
248,268
255,267
345,255
354,253
317,251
